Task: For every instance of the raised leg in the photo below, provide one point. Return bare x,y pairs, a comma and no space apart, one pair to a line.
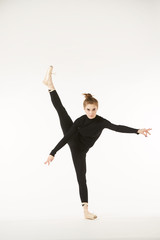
65,120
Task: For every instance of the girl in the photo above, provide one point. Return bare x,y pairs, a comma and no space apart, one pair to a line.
81,135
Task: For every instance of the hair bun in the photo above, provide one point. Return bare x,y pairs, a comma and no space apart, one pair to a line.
87,95
89,99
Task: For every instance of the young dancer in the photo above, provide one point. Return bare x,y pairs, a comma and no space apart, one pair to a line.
81,135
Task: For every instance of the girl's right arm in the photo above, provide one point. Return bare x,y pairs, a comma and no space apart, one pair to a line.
61,143
66,137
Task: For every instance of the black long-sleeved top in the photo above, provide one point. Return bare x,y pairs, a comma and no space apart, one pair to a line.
89,130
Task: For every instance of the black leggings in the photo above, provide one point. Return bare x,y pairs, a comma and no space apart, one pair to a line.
78,156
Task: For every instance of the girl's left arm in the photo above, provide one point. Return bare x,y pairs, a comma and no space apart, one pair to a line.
125,129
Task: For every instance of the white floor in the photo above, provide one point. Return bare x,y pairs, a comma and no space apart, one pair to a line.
81,229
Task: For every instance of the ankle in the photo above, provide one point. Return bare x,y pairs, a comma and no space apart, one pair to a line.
85,206
51,90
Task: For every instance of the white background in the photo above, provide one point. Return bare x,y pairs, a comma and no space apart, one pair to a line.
107,48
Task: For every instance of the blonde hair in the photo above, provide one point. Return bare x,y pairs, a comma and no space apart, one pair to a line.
89,99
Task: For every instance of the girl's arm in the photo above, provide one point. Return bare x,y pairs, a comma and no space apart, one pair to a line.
125,129
64,140
66,137
120,128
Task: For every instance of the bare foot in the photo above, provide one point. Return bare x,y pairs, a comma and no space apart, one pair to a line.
48,75
87,214
48,79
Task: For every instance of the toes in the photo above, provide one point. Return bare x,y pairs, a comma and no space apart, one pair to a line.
91,217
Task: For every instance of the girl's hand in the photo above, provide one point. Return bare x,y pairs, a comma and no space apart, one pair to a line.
144,131
50,159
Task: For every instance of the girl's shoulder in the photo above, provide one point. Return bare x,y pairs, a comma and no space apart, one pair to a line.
79,119
100,118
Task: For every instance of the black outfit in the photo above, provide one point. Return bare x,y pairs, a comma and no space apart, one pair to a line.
81,136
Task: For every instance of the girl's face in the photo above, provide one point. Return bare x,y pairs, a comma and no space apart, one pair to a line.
91,110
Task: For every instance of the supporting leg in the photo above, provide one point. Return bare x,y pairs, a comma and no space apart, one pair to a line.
80,167
79,160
